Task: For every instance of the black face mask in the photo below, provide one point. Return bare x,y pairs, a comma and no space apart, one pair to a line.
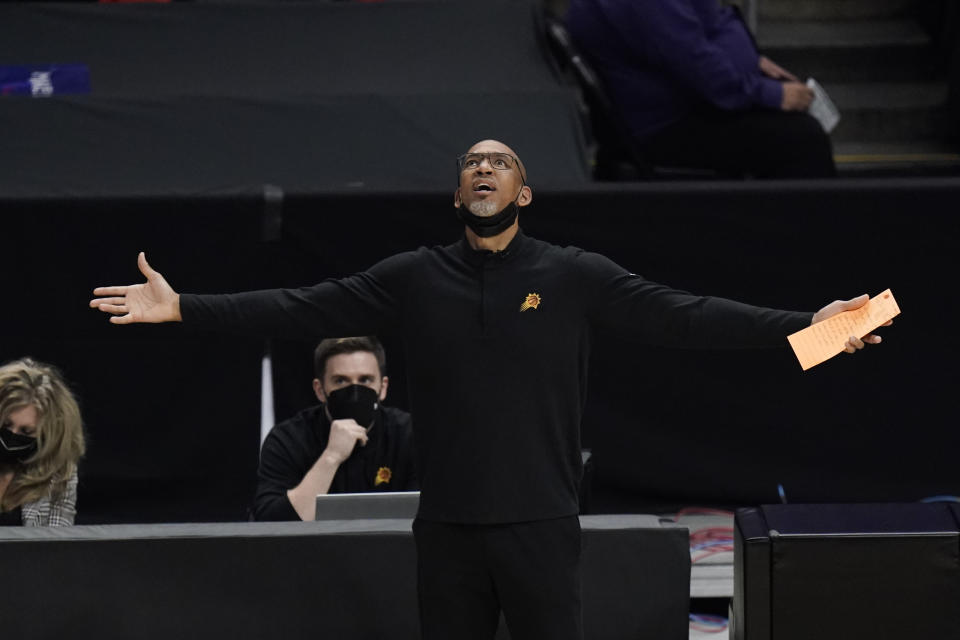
15,447
487,227
355,402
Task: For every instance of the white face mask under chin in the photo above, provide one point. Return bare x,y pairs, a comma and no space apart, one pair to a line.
483,208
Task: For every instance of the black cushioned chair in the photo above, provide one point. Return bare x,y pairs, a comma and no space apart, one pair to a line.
617,156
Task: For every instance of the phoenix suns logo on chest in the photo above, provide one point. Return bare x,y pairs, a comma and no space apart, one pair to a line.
532,301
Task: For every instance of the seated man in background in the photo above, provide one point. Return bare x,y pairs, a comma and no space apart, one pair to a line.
350,443
687,78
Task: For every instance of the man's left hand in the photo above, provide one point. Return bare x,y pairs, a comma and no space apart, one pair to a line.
838,306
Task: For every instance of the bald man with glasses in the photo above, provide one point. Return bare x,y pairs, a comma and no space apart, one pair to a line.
497,330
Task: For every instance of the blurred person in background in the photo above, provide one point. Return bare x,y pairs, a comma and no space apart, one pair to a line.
694,91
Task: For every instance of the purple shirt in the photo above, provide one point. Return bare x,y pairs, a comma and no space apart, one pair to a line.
662,59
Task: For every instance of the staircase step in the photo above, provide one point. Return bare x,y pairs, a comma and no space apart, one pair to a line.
832,9
803,34
837,51
925,157
876,112
888,95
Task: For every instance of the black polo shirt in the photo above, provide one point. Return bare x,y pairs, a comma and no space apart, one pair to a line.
292,447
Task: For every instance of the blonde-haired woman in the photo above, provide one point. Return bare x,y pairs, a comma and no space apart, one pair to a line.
41,441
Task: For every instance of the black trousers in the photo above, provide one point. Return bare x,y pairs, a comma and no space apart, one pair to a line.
467,574
756,143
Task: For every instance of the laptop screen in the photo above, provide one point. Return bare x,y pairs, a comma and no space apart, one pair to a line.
358,506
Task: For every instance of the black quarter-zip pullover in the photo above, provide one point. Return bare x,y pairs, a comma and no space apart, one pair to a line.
496,348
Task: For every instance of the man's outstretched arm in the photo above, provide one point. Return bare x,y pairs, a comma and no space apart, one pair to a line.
153,301
627,303
366,303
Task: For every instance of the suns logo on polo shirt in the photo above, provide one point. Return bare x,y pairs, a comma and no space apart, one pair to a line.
383,476
532,302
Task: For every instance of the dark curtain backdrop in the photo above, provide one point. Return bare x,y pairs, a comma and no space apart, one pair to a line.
173,415
676,426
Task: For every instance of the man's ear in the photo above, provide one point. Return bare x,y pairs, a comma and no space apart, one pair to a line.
525,197
318,389
383,388
456,198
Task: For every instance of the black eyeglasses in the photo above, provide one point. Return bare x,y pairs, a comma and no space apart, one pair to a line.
497,160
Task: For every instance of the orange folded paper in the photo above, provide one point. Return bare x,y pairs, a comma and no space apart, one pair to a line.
825,339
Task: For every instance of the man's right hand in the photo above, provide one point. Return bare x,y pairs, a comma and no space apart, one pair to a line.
344,435
152,301
796,96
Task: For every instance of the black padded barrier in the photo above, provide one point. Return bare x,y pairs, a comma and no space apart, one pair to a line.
340,579
834,571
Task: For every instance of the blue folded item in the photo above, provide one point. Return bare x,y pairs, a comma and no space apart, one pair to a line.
44,80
